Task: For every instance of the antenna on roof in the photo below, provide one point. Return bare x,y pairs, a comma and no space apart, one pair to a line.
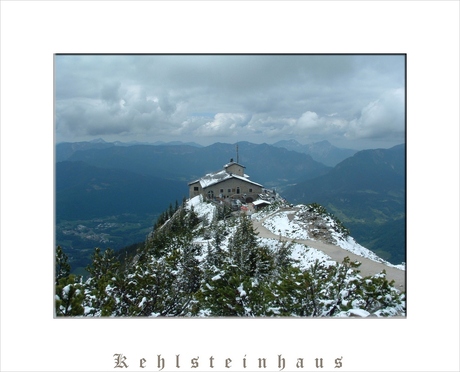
237,156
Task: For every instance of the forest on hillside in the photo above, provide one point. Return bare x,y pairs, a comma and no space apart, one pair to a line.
228,271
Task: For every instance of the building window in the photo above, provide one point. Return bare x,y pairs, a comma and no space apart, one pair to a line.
221,191
237,190
229,190
250,190
195,188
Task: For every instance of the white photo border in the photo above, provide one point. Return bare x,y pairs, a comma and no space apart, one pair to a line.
32,32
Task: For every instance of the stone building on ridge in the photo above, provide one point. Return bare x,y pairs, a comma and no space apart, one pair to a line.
228,184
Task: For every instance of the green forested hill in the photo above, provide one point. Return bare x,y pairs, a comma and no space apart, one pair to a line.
84,191
107,208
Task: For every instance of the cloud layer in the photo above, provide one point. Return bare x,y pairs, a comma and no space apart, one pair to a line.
354,101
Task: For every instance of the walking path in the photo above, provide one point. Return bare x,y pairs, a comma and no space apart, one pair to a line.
368,267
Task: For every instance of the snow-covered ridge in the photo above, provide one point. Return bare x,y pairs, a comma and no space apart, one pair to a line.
298,223
351,245
297,226
206,212
215,262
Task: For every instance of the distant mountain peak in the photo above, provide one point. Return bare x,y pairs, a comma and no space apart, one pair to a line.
292,142
323,142
321,151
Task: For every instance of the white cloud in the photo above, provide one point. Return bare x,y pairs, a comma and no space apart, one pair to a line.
270,126
261,98
309,120
382,118
224,124
313,125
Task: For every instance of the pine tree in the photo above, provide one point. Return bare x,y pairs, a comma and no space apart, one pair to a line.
165,285
69,291
177,206
243,245
102,284
69,296
145,285
221,294
288,291
62,266
236,282
376,294
339,287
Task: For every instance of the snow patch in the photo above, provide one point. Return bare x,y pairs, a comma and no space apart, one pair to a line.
354,312
205,211
280,223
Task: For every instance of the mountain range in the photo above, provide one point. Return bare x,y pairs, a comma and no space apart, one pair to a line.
269,165
109,194
323,151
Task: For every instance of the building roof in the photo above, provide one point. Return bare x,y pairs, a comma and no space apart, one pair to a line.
220,176
233,163
260,201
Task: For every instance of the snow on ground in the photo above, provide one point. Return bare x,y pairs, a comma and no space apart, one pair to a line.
305,256
205,211
290,225
264,212
350,245
280,224
353,312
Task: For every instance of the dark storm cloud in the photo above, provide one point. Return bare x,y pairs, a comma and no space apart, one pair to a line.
260,98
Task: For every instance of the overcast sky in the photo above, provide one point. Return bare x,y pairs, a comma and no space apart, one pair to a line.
354,101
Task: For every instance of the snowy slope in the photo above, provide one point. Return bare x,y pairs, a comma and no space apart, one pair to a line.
297,224
293,224
301,224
